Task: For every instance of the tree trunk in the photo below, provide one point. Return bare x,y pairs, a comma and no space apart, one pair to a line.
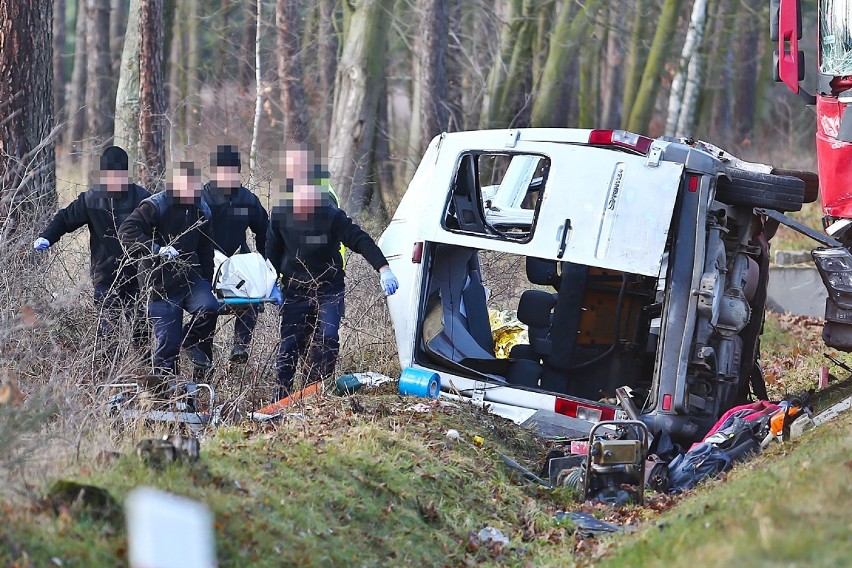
359,85
258,97
59,59
177,86
509,13
117,27
691,49
99,108
747,70
293,105
326,62
27,155
547,109
126,132
646,98
247,45
193,86
152,95
694,85
430,113
457,72
77,96
613,70
636,58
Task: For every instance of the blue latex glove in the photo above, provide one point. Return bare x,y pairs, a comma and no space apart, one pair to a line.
168,253
277,295
389,282
41,243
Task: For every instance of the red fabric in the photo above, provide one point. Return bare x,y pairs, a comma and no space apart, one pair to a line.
758,409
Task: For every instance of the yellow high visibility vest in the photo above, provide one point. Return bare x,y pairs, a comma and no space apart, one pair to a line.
325,181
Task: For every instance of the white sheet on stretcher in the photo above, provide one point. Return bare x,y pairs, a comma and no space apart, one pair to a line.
246,275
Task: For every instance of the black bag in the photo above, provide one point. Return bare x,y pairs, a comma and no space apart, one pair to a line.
656,474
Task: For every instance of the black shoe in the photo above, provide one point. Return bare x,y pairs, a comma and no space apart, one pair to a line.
239,354
199,358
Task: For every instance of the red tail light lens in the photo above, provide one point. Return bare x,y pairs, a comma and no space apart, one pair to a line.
693,184
586,411
667,402
417,253
620,138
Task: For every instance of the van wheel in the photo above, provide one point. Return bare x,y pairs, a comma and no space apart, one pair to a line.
752,189
810,178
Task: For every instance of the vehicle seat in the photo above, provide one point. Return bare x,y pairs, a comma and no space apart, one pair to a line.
535,309
542,272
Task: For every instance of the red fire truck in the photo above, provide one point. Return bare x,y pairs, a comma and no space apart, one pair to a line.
832,101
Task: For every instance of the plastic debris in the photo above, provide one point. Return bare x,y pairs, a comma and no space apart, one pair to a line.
491,535
587,524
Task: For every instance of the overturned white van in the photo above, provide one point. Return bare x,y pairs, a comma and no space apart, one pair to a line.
631,262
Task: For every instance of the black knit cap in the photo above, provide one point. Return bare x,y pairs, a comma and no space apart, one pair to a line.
226,156
114,158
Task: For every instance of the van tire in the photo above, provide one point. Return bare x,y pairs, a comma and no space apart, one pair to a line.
811,180
753,189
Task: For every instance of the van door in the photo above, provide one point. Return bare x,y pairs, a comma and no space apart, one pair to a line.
592,206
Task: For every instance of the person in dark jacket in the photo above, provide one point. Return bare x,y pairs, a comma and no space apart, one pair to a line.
103,208
235,209
170,234
303,243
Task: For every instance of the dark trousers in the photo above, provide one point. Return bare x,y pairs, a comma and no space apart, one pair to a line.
114,303
167,318
245,320
310,320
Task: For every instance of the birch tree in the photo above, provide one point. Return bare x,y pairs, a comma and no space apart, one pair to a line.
686,80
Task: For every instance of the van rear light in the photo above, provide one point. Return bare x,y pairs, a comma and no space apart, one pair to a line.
667,402
586,411
693,184
620,138
417,253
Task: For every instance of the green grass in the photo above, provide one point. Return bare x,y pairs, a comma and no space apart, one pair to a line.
789,507
378,488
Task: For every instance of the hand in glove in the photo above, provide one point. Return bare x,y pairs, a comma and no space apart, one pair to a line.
168,253
277,295
389,282
41,243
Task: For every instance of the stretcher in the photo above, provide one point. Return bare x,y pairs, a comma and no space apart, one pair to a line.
242,280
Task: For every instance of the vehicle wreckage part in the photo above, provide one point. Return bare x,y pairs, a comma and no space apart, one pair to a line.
417,382
835,269
185,404
278,406
810,179
824,240
754,189
614,471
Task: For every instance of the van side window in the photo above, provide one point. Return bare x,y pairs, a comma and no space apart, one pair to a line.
497,195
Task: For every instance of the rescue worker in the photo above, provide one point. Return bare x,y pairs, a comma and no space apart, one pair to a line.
234,209
305,233
170,234
103,208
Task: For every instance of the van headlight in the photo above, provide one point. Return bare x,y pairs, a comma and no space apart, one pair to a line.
835,268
